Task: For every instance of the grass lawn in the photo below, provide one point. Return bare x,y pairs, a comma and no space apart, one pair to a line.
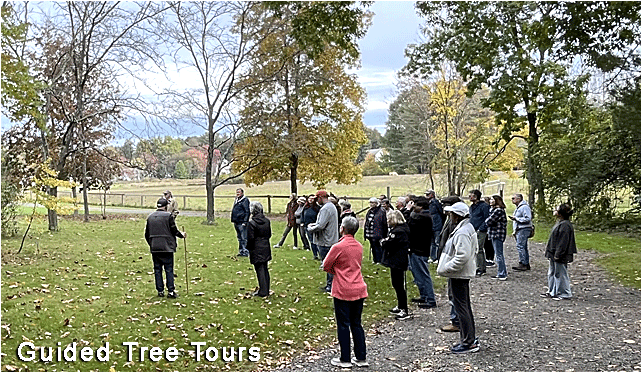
92,283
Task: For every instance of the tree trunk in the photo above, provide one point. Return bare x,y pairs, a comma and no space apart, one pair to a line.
533,173
74,195
209,187
52,215
84,189
293,172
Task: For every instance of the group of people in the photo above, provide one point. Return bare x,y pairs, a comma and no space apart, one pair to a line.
417,231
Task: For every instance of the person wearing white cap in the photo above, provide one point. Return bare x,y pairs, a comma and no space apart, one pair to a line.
457,263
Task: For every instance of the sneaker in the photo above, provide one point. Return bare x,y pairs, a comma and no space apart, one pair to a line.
556,298
337,362
450,328
417,300
430,260
395,310
490,263
463,349
427,305
161,294
325,289
295,248
243,255
276,246
172,294
545,295
479,273
360,363
403,315
499,278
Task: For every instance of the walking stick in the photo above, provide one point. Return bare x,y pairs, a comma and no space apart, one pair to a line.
185,246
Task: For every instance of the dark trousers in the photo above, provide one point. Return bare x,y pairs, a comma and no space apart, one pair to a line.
453,315
489,249
304,237
348,315
377,251
397,277
263,276
461,302
285,235
323,251
163,261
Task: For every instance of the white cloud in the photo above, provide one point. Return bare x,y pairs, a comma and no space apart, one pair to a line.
377,105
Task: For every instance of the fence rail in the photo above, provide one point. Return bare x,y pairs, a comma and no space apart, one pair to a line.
187,202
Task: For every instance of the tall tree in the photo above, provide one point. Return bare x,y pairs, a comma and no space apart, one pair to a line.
308,110
523,51
215,40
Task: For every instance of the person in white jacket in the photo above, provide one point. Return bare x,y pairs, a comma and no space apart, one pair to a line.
457,263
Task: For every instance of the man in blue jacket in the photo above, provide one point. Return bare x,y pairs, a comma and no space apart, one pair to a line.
479,211
240,217
436,213
160,234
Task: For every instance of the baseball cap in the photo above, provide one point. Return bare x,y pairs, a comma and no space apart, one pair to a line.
458,208
322,194
162,202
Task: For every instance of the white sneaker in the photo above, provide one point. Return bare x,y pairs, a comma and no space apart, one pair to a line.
360,363
403,315
276,246
295,248
338,363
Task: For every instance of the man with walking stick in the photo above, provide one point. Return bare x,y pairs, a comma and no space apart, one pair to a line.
160,234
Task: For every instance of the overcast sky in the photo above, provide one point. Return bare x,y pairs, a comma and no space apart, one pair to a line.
394,26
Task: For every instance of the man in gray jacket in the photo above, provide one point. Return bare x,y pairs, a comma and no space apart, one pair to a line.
160,234
325,231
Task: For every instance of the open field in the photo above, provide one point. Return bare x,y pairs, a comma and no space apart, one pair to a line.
190,194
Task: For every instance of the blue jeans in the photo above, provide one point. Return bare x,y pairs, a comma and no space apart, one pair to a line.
559,284
324,250
163,261
420,272
241,235
498,246
521,238
434,245
348,314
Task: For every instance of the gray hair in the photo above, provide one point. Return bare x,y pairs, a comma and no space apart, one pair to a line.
256,207
375,200
401,200
350,225
395,217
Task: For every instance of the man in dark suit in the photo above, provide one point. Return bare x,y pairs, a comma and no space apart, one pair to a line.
160,234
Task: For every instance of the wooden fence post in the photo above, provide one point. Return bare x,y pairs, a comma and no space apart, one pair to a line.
388,192
269,204
184,202
141,201
122,199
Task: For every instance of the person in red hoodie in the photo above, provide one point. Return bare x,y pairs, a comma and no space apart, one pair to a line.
349,291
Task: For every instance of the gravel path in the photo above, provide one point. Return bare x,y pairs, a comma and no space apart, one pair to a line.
597,330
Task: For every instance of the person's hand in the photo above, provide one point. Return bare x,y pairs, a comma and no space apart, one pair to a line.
184,234
511,217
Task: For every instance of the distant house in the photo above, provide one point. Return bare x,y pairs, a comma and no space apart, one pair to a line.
377,154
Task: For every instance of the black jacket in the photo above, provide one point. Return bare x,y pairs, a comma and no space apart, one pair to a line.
241,210
421,233
561,243
376,225
258,239
161,232
395,247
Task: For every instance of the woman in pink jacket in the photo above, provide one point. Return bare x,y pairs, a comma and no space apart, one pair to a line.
349,291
